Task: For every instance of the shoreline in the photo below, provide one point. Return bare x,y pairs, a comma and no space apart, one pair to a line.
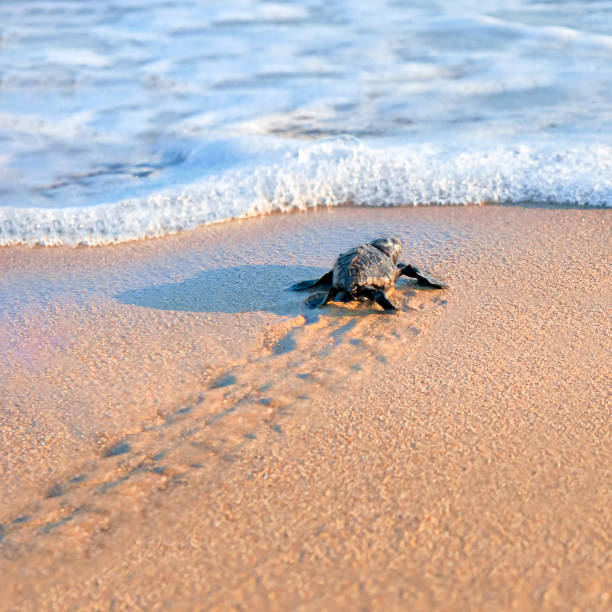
319,209
329,453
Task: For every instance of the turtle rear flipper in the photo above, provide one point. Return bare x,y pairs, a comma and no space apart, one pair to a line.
422,279
318,299
343,296
378,296
324,283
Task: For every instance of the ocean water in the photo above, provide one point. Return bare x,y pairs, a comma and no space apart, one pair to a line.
127,119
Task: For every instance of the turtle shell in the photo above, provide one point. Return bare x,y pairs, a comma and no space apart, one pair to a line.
362,266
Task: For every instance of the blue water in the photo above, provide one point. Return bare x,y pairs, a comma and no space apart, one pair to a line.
135,118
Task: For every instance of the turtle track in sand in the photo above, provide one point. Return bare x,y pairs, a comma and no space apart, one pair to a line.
233,421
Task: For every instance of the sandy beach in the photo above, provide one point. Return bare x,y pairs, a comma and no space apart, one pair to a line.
177,431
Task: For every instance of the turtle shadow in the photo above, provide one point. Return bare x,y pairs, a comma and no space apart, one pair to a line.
236,289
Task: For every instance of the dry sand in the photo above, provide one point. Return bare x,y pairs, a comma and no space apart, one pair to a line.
176,431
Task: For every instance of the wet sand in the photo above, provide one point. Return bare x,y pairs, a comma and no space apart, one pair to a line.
177,431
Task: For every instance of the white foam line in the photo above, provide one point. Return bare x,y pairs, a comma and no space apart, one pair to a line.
331,173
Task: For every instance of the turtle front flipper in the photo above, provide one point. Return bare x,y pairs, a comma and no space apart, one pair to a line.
378,296
324,283
422,279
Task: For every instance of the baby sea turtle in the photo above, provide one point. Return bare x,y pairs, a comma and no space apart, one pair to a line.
366,271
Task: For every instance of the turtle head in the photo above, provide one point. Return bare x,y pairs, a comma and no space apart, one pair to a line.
389,246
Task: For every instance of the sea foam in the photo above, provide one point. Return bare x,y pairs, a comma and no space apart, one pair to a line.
330,173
